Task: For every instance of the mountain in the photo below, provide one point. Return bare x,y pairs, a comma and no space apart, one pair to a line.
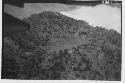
60,47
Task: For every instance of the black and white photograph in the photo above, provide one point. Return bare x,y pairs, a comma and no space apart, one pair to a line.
64,40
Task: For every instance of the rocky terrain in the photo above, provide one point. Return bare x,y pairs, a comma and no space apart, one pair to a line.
57,47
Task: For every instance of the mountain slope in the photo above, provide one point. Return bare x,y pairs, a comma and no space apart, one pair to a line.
59,47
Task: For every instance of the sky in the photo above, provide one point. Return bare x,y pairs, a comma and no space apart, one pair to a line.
102,15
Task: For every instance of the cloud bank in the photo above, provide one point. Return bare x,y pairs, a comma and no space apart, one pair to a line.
35,8
100,15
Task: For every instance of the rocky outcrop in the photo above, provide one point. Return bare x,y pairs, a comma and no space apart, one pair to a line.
60,47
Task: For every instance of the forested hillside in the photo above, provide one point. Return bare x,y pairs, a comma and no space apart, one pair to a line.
60,47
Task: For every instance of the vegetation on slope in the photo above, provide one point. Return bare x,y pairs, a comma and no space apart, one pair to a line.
59,47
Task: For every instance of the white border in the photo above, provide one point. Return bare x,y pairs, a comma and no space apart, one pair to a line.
0,35
69,81
123,41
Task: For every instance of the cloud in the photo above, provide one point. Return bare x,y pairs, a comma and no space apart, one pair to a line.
35,8
100,15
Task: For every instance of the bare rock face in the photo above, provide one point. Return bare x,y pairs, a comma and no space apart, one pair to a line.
59,47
